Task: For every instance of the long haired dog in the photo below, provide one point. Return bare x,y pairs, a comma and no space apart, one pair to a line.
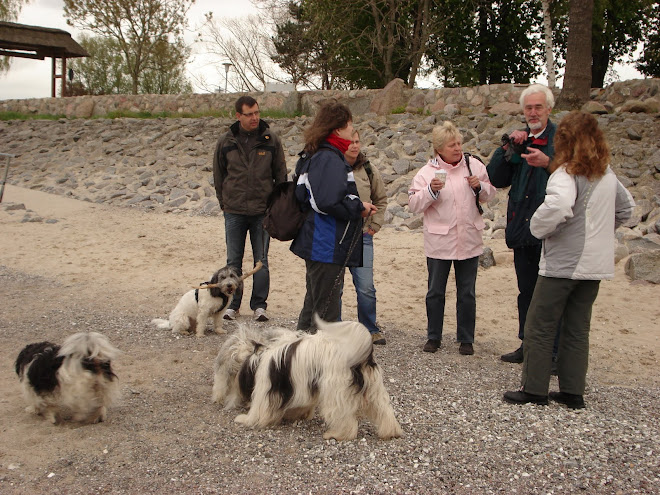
196,306
289,375
75,380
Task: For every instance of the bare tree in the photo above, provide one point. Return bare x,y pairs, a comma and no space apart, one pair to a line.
577,76
245,44
547,32
138,26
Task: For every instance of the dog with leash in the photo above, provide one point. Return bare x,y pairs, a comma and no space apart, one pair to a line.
210,299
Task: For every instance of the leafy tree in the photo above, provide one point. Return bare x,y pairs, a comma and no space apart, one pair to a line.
138,26
487,42
363,43
104,71
617,28
649,62
165,69
9,9
577,77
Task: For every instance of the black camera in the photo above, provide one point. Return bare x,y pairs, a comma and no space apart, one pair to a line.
518,148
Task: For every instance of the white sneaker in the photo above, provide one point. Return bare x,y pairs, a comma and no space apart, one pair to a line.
260,314
231,314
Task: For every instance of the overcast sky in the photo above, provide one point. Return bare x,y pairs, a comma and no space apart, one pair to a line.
30,78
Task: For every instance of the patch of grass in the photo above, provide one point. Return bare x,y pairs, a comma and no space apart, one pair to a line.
28,116
399,110
126,114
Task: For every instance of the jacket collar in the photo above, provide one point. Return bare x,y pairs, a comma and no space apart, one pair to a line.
263,127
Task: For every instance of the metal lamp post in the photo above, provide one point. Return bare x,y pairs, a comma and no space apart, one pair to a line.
227,66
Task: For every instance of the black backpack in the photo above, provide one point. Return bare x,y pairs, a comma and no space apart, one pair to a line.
284,215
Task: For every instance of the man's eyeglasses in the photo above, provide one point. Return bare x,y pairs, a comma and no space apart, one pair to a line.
251,114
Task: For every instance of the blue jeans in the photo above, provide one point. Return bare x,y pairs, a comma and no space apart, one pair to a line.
363,280
465,272
236,229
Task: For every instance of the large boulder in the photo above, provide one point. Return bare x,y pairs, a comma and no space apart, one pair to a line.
389,98
644,266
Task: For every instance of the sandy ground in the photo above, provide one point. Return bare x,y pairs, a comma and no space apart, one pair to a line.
101,260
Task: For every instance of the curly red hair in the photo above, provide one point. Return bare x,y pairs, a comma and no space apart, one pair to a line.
580,146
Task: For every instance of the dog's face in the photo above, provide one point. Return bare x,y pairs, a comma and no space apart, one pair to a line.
229,281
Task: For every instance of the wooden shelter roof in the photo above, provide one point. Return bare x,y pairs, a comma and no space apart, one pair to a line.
20,40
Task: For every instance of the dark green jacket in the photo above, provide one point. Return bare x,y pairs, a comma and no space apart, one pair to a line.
527,187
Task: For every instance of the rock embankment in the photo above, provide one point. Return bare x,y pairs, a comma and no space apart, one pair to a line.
166,164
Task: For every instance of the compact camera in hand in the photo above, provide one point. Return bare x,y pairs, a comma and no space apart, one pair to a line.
518,148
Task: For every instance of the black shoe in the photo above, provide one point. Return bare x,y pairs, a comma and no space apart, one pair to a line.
572,401
520,397
513,357
431,345
466,349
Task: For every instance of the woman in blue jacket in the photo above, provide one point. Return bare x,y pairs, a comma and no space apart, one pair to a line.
330,239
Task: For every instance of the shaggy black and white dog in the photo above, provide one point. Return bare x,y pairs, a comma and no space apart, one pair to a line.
75,380
283,374
196,306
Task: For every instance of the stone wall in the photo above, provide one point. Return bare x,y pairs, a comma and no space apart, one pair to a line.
627,96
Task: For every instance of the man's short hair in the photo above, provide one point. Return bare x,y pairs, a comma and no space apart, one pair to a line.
245,100
538,88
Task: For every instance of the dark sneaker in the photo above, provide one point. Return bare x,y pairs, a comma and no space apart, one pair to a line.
378,339
521,397
572,401
513,357
466,349
431,345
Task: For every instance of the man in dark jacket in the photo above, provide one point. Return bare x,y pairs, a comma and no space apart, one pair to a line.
525,170
248,162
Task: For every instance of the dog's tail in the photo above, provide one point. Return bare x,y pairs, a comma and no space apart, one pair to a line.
162,324
354,339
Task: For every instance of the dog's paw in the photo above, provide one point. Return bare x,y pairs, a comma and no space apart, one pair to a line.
241,419
220,331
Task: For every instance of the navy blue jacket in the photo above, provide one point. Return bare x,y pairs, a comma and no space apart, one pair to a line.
527,187
326,189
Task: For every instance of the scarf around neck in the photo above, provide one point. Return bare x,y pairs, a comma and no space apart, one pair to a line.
338,142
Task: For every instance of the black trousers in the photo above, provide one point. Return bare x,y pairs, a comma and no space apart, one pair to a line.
323,294
526,261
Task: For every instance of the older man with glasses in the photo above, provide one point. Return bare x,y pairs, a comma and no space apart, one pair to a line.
248,162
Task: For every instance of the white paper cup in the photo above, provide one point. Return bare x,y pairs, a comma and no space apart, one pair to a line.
441,175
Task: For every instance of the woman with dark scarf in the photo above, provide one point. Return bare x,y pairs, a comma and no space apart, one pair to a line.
331,237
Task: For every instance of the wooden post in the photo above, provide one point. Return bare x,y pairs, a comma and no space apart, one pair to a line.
63,76
53,76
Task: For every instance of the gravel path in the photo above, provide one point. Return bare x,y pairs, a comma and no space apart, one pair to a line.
165,436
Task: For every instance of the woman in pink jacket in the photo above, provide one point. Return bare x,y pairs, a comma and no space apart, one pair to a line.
452,231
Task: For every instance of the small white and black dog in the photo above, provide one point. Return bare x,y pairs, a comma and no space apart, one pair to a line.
75,380
211,299
284,374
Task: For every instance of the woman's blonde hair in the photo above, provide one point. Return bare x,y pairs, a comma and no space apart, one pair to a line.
444,133
580,145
